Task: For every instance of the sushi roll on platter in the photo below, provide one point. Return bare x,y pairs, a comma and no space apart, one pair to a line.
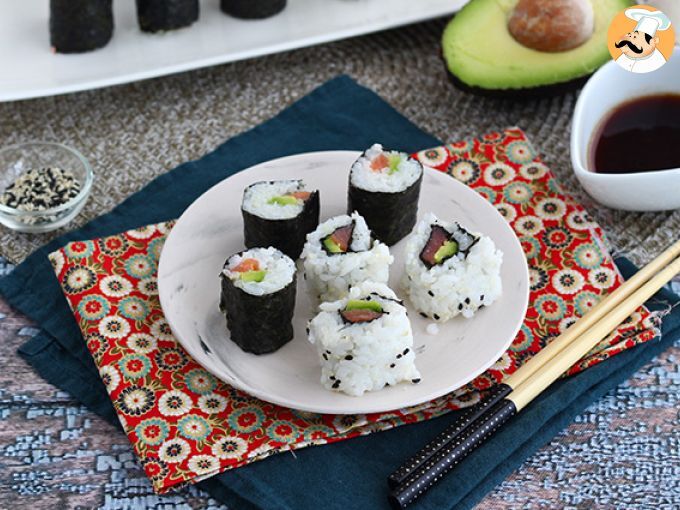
384,187
252,9
279,214
258,299
364,341
449,271
162,15
77,26
341,253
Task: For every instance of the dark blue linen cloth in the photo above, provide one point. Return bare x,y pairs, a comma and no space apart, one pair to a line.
346,475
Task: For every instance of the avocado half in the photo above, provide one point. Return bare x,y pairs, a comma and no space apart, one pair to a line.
482,56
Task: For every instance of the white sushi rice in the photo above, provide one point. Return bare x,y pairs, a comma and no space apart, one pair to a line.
364,177
256,199
329,276
280,270
361,357
460,284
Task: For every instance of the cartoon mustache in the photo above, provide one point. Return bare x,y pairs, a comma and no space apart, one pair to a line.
626,42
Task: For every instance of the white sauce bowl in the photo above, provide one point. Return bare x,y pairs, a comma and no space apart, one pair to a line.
605,90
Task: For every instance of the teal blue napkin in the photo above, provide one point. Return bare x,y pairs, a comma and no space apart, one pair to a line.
349,474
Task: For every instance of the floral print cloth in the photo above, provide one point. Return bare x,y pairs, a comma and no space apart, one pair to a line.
186,425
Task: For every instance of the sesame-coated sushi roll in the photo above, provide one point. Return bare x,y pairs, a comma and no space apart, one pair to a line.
80,25
279,214
450,271
252,9
162,15
341,253
258,298
364,341
384,187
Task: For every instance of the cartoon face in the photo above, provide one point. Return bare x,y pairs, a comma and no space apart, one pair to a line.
637,44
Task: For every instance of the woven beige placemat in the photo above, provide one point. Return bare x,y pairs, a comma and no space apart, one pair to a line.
132,133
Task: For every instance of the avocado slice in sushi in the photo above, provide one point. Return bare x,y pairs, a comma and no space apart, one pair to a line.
283,200
361,310
339,240
253,276
445,251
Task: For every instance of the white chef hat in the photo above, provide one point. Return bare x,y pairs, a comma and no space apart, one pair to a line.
649,21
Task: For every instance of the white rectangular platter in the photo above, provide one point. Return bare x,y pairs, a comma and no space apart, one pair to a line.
29,69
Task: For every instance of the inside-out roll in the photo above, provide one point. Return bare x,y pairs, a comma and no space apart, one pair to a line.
449,271
364,341
341,253
279,214
258,299
384,187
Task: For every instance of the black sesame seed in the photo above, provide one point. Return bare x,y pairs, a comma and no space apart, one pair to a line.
327,351
467,300
430,293
392,365
481,298
349,357
336,384
324,356
460,306
406,351
416,380
399,355
423,314
307,329
436,317
332,378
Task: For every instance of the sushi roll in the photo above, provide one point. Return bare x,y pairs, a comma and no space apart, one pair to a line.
279,214
364,341
258,298
80,25
450,271
341,253
384,187
161,15
252,9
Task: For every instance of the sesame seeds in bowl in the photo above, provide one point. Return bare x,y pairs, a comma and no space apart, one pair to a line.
43,186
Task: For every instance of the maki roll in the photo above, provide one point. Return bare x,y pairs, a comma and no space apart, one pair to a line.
258,298
341,253
450,271
364,341
252,9
384,187
279,214
161,15
80,25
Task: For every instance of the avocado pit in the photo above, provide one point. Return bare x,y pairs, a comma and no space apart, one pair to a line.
552,25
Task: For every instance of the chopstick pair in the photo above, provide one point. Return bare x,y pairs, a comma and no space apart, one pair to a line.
442,454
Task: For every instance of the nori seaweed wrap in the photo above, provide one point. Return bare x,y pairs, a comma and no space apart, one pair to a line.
273,216
77,26
252,9
161,15
258,299
384,187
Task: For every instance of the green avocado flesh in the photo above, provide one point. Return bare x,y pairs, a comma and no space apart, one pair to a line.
360,304
395,160
331,245
480,51
446,250
283,200
253,276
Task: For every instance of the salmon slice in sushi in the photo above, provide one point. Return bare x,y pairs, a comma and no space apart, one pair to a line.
258,299
340,253
364,341
384,187
450,271
279,214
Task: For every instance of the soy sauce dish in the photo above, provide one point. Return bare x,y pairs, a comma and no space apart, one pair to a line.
613,114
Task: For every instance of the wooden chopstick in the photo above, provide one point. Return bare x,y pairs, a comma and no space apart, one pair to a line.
534,364
595,314
476,431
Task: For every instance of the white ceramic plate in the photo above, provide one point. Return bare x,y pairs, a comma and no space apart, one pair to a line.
211,229
29,69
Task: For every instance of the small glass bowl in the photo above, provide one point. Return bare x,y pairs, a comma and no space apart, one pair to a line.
18,159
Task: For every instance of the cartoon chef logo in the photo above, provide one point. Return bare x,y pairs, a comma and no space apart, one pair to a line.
641,39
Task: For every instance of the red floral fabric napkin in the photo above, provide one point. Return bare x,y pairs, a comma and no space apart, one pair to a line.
186,425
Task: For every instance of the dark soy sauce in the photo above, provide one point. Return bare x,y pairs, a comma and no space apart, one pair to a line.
641,135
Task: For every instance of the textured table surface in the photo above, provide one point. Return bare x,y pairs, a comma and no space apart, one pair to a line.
622,452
